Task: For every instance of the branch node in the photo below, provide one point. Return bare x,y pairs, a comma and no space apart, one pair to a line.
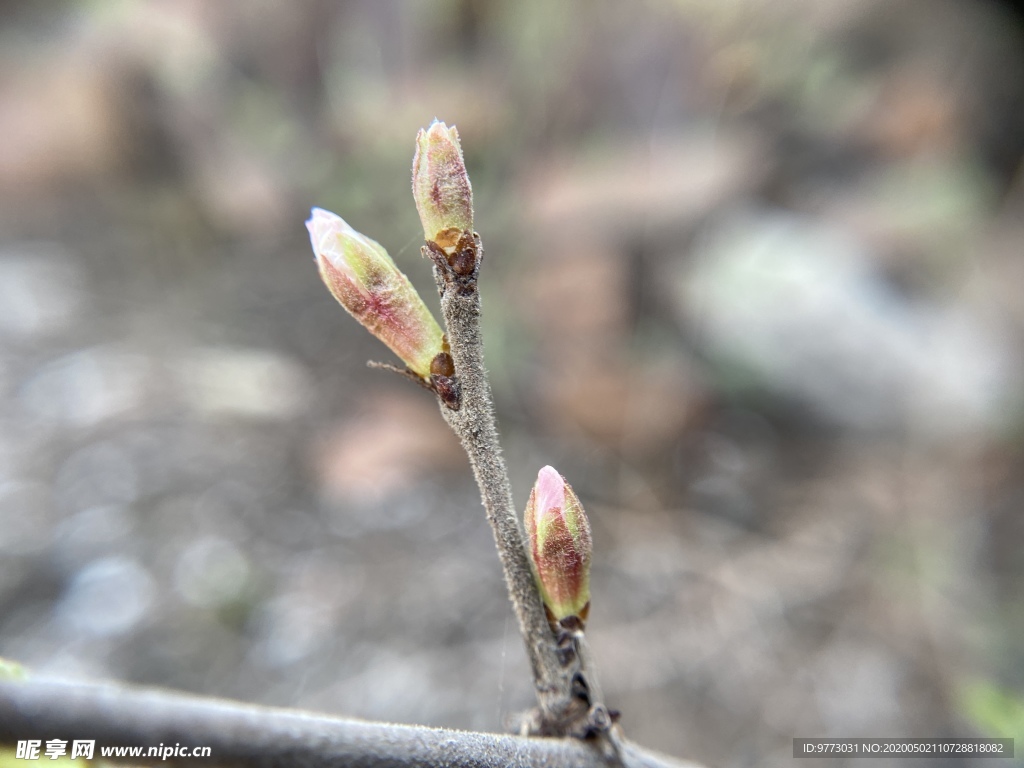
458,265
446,388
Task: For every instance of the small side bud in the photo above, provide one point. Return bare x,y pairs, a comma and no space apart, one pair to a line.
360,274
558,539
441,186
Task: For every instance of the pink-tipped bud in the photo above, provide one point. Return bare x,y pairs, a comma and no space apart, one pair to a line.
558,539
440,185
360,274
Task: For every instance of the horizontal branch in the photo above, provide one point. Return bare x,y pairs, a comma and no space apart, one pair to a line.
249,735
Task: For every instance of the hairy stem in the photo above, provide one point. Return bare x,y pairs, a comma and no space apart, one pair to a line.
473,422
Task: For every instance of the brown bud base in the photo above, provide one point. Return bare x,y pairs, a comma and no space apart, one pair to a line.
442,364
442,379
569,623
447,389
457,258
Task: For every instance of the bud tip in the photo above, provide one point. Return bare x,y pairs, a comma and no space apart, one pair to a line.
550,489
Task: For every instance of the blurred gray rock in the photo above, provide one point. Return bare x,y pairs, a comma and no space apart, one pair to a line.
87,387
108,597
41,291
211,572
793,307
92,386
242,383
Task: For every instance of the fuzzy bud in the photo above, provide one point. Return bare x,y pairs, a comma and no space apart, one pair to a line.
360,274
441,186
558,539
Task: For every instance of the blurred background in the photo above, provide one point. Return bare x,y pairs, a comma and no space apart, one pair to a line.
753,284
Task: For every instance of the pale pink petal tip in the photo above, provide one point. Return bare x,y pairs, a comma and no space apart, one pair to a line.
316,216
324,228
550,490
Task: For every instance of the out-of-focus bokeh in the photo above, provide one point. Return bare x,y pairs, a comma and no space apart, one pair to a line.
753,283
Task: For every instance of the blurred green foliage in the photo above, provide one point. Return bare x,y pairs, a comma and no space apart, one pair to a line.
997,712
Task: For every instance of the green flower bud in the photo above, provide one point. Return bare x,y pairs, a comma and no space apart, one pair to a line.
558,539
360,274
441,186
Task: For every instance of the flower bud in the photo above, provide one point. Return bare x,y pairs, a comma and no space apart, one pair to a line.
558,539
360,274
440,185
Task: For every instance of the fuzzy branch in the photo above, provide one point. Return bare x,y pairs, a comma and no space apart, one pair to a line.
473,422
249,735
